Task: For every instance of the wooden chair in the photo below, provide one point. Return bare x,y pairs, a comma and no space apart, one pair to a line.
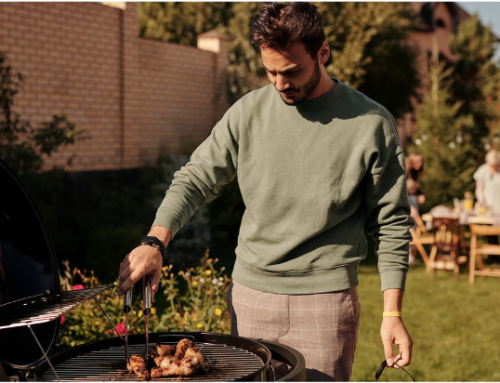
421,237
477,250
446,252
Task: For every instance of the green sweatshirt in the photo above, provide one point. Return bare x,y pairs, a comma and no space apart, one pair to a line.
312,177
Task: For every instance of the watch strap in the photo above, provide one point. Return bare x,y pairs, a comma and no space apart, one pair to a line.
153,242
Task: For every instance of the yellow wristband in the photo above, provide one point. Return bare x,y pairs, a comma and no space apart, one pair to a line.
392,314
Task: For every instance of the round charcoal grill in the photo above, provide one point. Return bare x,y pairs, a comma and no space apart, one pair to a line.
31,303
231,358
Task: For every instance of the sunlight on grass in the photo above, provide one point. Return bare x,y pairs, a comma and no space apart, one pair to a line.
455,327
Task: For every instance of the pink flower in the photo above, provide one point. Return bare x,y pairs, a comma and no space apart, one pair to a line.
63,319
78,287
120,327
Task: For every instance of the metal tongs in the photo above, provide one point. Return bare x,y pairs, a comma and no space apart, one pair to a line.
146,309
127,307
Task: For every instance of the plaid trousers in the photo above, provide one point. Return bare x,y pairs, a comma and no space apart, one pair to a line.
322,327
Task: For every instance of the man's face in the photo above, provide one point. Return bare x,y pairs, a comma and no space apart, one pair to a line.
294,73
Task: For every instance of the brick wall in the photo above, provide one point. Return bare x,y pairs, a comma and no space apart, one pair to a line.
133,96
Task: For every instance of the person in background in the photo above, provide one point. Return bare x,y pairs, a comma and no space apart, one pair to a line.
487,178
317,162
414,173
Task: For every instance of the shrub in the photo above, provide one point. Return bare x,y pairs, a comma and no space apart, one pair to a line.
202,306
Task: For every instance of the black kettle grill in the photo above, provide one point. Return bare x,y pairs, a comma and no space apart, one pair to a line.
31,303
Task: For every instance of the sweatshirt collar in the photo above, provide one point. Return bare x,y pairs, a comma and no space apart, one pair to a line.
325,99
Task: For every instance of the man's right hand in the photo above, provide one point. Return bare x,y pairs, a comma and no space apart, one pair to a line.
143,260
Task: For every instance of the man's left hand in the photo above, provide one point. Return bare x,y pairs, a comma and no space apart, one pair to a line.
393,331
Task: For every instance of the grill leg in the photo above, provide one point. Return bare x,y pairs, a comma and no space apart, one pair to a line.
44,354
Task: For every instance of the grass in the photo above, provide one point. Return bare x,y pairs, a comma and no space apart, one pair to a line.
455,327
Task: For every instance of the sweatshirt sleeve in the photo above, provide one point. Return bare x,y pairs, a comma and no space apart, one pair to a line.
212,165
387,204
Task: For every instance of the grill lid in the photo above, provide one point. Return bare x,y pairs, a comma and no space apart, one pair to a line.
28,267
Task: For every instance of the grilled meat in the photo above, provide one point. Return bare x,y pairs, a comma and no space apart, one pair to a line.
185,367
185,359
164,361
162,350
182,346
156,372
196,353
137,365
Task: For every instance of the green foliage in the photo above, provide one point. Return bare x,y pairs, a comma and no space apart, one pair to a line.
369,50
182,22
23,146
245,71
193,300
202,306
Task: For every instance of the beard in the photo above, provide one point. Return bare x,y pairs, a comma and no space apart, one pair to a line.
307,89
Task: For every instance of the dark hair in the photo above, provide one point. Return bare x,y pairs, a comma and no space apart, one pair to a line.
280,25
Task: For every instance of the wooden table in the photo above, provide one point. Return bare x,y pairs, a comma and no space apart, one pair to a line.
476,250
481,219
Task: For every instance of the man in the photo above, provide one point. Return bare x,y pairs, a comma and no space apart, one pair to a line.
317,162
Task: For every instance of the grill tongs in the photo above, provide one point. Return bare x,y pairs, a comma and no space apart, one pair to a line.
146,309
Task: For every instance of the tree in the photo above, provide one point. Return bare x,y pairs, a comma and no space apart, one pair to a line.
23,146
182,22
445,138
477,80
369,50
245,71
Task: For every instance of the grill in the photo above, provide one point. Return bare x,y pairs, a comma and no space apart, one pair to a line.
231,358
44,308
31,303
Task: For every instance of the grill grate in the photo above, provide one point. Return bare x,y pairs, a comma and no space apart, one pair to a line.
228,363
44,307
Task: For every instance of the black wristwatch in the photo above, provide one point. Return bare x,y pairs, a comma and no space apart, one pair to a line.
154,242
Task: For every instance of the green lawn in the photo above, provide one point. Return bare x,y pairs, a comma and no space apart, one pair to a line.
455,327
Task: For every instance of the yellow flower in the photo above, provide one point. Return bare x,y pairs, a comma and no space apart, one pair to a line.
139,314
208,272
199,325
153,310
164,268
195,284
218,312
